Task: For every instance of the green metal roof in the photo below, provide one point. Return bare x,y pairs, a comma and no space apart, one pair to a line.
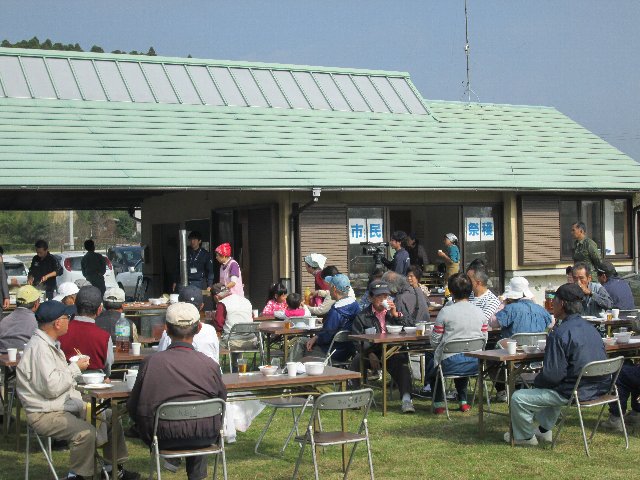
53,143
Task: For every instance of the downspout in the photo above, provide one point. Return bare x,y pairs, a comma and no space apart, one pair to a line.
635,243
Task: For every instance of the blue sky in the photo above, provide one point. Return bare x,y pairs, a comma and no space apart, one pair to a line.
579,56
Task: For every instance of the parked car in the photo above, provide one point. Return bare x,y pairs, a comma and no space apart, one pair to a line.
129,279
16,271
72,269
124,256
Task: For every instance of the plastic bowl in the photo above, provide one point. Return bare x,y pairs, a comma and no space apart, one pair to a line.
530,348
88,378
394,328
410,330
609,341
268,370
622,337
314,368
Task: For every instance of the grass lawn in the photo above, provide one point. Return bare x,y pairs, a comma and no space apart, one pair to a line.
404,447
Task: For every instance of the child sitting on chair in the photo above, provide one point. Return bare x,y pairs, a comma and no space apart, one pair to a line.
295,308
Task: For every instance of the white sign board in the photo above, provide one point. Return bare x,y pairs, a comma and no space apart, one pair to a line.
374,230
487,229
472,229
357,230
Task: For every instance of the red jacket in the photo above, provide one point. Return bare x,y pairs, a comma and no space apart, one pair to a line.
89,339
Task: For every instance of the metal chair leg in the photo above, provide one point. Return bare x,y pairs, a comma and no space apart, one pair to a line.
302,447
215,467
26,461
366,431
313,456
264,430
584,434
224,456
557,434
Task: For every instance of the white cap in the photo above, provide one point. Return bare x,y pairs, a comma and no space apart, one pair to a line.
518,288
65,289
315,260
182,314
114,294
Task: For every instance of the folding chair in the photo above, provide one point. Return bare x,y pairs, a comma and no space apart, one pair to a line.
458,346
247,332
46,450
599,368
338,401
173,411
293,403
340,337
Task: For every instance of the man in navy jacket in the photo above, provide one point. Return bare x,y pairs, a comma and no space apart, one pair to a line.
570,346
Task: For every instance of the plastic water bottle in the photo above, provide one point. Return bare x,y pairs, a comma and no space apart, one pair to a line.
123,334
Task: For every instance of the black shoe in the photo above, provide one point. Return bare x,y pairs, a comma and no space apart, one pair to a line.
59,445
126,474
73,476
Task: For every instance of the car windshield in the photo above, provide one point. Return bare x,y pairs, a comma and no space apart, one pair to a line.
128,256
14,269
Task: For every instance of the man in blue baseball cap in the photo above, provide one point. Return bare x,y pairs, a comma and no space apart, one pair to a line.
339,317
46,387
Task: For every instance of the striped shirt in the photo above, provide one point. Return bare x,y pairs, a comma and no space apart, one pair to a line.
488,303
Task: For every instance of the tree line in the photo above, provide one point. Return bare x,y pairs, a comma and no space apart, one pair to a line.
72,47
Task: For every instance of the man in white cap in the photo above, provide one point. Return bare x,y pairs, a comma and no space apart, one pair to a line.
17,327
112,302
519,315
67,292
180,373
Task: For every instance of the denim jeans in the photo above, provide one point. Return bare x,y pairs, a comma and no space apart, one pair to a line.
458,364
541,405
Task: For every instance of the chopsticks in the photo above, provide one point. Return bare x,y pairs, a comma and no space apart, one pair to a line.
78,352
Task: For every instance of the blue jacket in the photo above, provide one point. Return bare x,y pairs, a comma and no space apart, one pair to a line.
570,346
340,317
522,316
400,263
620,293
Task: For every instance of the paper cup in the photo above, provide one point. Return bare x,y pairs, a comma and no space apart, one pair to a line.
292,369
542,344
511,347
135,348
255,313
13,354
130,378
616,312
312,322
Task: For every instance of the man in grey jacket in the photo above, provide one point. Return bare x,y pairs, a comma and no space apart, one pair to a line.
17,328
596,297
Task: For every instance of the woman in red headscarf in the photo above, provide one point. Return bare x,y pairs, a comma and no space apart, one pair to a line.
230,275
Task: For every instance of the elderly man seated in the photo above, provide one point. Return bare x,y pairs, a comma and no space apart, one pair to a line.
374,319
46,388
617,288
17,327
596,297
413,307
179,373
570,346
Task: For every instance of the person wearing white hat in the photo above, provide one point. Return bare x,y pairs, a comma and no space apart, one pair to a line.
67,292
452,256
314,263
520,313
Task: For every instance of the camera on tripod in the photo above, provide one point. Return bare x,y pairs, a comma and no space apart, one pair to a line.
376,250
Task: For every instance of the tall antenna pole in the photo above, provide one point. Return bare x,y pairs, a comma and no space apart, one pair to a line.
466,50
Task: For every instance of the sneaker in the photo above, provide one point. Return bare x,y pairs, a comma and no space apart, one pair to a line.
612,423
543,437
407,407
632,418
501,396
171,464
452,395
126,474
465,407
532,442
73,476
439,410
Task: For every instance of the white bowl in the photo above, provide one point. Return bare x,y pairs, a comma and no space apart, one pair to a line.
268,370
410,330
394,328
622,337
95,377
314,368
174,298
530,348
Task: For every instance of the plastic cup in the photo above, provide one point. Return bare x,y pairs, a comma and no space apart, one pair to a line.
242,365
511,347
616,312
542,344
130,379
13,354
135,348
255,313
312,322
420,330
292,369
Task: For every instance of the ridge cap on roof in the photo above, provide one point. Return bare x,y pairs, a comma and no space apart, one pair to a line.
485,104
24,52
